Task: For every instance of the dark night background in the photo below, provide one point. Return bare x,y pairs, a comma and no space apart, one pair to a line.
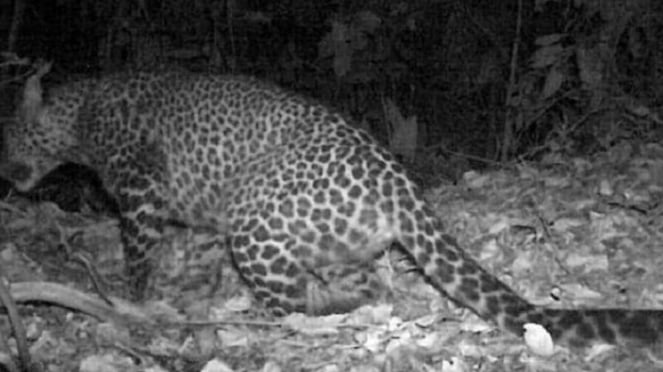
450,63
486,83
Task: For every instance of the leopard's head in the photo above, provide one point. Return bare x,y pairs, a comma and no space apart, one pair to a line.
40,137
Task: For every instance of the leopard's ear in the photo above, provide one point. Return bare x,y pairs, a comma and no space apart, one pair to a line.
31,106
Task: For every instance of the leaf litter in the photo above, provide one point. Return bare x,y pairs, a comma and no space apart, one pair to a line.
564,232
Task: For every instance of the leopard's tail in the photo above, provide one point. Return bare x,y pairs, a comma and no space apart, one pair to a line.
614,326
457,275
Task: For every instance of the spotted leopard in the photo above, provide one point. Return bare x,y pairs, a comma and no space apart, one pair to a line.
304,199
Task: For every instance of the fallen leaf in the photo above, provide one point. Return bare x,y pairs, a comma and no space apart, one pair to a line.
538,340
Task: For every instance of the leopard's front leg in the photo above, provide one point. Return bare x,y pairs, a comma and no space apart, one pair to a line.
140,192
142,229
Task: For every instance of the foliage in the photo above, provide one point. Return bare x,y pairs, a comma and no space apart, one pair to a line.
573,76
576,94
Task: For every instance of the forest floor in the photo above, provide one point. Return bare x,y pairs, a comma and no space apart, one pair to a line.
564,232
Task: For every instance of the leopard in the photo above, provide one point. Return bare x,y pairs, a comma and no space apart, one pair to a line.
304,200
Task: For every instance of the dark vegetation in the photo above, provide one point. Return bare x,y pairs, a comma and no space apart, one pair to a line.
483,83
